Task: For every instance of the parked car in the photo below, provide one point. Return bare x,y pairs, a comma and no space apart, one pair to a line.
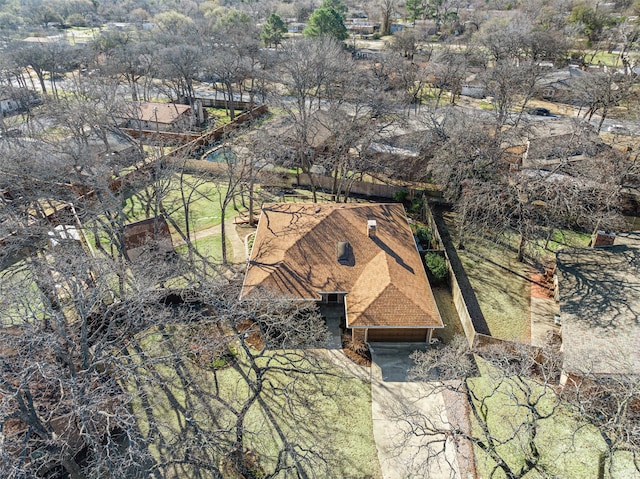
539,112
618,130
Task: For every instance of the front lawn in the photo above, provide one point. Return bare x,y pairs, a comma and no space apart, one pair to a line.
569,448
179,401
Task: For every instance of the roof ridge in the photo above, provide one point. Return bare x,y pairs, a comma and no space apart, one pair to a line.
390,288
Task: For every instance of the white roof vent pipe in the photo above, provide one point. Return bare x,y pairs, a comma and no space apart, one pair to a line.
371,228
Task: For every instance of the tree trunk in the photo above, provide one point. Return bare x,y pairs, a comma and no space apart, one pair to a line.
223,234
232,105
521,245
40,76
72,467
251,220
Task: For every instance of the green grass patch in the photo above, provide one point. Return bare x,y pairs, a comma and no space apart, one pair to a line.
204,208
210,247
20,298
500,284
561,239
328,414
219,116
568,447
602,58
485,105
504,297
633,222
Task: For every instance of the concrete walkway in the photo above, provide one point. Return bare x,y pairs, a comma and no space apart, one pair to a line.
333,352
403,454
543,311
237,243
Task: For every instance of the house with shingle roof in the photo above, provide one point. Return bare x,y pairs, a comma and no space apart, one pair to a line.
599,293
362,257
158,116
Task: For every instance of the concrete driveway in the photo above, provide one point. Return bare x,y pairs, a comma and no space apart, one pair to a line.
403,454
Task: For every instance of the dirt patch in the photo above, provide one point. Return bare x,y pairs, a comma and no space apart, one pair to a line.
214,352
540,287
448,312
357,351
253,335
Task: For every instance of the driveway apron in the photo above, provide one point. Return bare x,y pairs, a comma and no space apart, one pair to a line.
402,454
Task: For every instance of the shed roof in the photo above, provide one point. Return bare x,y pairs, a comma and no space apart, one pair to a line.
294,255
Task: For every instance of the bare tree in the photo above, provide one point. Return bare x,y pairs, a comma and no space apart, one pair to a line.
599,92
387,8
610,403
61,386
233,171
309,69
512,397
497,198
233,56
508,406
449,69
263,343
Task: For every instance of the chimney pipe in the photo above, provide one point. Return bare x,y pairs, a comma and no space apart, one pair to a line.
371,228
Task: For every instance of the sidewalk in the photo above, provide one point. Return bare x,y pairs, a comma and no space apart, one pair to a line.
543,310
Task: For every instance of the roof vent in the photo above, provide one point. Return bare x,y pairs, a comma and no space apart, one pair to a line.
343,250
371,228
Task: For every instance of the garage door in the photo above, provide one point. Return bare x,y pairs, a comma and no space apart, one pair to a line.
417,335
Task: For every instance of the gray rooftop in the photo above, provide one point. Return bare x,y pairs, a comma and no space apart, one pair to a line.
600,307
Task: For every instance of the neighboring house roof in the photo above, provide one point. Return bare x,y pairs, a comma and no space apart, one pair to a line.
600,307
560,78
49,39
295,255
316,132
162,113
151,234
553,141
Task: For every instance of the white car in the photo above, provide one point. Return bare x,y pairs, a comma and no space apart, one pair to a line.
618,130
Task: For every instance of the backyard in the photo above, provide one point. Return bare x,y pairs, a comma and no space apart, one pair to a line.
501,284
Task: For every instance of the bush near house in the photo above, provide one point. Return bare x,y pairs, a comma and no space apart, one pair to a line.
437,266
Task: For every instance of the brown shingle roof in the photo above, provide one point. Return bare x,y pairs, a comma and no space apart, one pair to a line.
151,232
294,254
162,113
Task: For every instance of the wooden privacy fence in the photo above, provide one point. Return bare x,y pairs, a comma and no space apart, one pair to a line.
473,322
146,165
361,188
